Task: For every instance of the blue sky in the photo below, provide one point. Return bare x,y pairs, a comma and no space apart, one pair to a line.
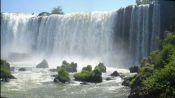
36,6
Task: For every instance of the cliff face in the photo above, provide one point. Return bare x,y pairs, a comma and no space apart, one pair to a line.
167,16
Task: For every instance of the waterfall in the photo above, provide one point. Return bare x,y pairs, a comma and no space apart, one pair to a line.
122,37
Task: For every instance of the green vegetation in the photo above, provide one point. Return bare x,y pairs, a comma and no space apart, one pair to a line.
101,67
5,71
89,76
63,76
157,73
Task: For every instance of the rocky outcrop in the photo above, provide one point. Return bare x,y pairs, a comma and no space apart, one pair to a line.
115,74
22,69
43,64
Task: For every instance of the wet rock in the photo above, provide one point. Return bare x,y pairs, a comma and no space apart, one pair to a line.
115,74
54,75
84,83
126,81
22,69
109,78
43,64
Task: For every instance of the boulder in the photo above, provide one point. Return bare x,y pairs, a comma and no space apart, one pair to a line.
43,64
22,69
101,67
84,83
115,74
87,68
109,78
126,81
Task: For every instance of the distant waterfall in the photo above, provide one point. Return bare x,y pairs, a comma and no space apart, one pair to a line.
122,37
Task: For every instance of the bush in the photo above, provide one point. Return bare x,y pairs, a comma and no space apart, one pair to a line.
5,71
89,76
162,81
63,76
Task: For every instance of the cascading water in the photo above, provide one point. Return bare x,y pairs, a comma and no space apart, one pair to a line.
124,37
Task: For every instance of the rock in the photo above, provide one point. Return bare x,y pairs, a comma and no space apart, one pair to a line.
126,81
84,83
134,69
63,76
72,67
87,68
22,69
5,71
101,67
94,76
109,78
56,80
54,75
115,74
43,64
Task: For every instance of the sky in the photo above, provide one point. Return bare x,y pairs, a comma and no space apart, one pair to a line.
68,6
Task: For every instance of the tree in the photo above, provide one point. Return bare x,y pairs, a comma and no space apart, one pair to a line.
57,10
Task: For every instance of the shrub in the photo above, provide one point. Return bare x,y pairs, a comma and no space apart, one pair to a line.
63,76
89,76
